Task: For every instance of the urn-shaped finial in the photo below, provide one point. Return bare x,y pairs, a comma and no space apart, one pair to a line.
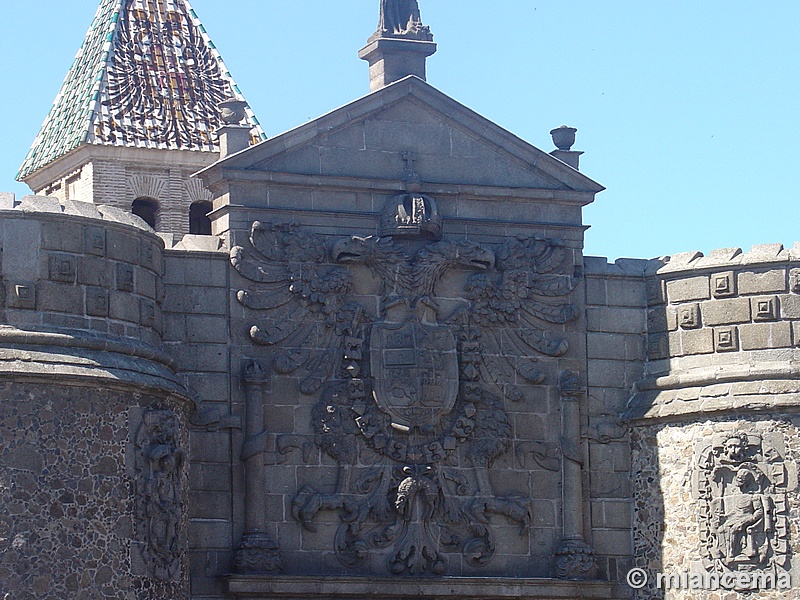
564,137
232,111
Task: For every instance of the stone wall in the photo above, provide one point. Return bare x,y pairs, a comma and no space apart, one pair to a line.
93,425
715,430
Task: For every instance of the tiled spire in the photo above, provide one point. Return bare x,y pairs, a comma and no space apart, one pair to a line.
146,76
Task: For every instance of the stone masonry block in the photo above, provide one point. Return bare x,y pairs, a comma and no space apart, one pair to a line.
726,339
61,236
613,542
698,341
205,272
655,292
763,336
764,308
124,307
794,281
606,373
125,277
208,533
790,306
657,346
689,316
97,302
121,246
60,298
605,345
62,268
626,292
762,282
21,240
95,271
94,241
656,320
796,333
726,312
206,328
723,285
146,284
210,446
21,294
615,320
690,288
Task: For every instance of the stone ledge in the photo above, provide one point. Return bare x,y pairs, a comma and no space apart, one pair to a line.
730,257
463,588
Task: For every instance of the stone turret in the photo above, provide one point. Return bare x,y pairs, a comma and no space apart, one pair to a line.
137,114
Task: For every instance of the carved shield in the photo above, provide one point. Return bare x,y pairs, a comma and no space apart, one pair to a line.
415,371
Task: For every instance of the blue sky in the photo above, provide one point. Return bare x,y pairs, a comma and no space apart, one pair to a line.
688,111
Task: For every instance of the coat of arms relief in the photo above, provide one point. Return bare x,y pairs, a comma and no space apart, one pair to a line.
414,345
742,483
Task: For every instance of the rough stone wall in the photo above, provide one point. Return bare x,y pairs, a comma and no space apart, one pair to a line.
715,426
93,466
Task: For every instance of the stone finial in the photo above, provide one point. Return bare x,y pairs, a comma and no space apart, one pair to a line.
233,137
564,139
232,111
400,45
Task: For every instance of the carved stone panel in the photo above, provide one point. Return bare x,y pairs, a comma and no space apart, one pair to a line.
412,369
159,494
741,482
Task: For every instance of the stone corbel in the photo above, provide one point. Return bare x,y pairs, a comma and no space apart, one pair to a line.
574,558
258,553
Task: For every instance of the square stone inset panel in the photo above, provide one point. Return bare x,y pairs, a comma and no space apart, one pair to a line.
794,281
62,268
723,285
147,313
124,277
94,241
689,316
764,308
22,295
96,302
726,339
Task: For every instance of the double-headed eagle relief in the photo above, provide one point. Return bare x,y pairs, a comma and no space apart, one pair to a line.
414,347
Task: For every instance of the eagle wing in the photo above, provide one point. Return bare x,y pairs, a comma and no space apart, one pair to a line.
519,308
300,299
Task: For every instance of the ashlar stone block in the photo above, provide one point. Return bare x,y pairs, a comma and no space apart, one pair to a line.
763,336
689,316
690,288
698,341
762,282
726,339
723,285
764,308
726,312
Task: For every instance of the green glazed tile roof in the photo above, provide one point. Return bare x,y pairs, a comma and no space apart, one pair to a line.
146,76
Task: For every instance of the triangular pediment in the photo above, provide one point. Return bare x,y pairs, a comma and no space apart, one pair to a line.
369,138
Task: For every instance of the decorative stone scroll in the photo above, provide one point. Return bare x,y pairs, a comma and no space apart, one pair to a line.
160,488
741,482
415,390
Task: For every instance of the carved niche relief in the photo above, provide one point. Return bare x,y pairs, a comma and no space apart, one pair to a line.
159,490
412,375
742,481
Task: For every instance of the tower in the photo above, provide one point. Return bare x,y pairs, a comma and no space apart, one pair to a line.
136,115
